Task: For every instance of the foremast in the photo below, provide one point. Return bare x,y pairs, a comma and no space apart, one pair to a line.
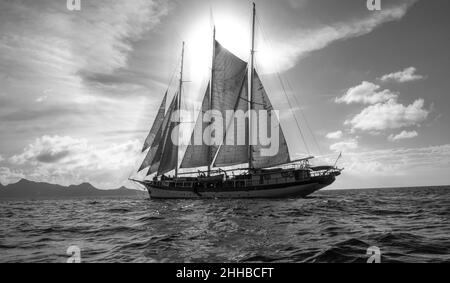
180,90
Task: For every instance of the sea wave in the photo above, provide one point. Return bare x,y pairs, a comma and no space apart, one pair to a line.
407,225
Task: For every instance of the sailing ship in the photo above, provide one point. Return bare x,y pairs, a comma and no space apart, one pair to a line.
233,85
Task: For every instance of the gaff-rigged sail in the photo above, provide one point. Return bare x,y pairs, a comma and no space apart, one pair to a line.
229,75
234,150
198,153
262,102
238,154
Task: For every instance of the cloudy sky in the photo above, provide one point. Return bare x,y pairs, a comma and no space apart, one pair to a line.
80,88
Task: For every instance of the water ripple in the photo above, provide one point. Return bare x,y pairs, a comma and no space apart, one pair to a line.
408,225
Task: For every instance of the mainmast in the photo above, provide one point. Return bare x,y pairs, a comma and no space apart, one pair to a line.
211,87
252,74
179,105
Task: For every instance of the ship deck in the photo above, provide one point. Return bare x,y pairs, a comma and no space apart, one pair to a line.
250,182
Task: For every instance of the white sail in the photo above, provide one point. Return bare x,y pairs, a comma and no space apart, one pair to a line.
158,147
156,125
229,75
169,158
148,158
154,136
233,151
262,102
198,153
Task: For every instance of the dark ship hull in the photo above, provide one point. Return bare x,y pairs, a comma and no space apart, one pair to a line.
257,186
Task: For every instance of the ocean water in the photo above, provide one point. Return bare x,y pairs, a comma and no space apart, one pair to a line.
407,225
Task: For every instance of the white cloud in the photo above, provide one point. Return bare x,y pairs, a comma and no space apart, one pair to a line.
67,160
403,135
49,48
344,146
334,135
105,47
389,115
43,40
1,158
286,53
407,75
400,161
8,176
394,167
366,93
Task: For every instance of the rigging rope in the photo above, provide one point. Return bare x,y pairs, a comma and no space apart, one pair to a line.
289,85
293,113
284,88
304,116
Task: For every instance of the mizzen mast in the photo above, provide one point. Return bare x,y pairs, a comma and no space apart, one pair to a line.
252,74
211,89
179,105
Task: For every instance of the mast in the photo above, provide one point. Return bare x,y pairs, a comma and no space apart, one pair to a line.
179,104
252,74
211,94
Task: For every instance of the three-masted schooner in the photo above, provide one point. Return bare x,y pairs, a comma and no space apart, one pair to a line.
231,87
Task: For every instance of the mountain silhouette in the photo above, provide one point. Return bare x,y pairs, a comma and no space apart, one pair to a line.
25,189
